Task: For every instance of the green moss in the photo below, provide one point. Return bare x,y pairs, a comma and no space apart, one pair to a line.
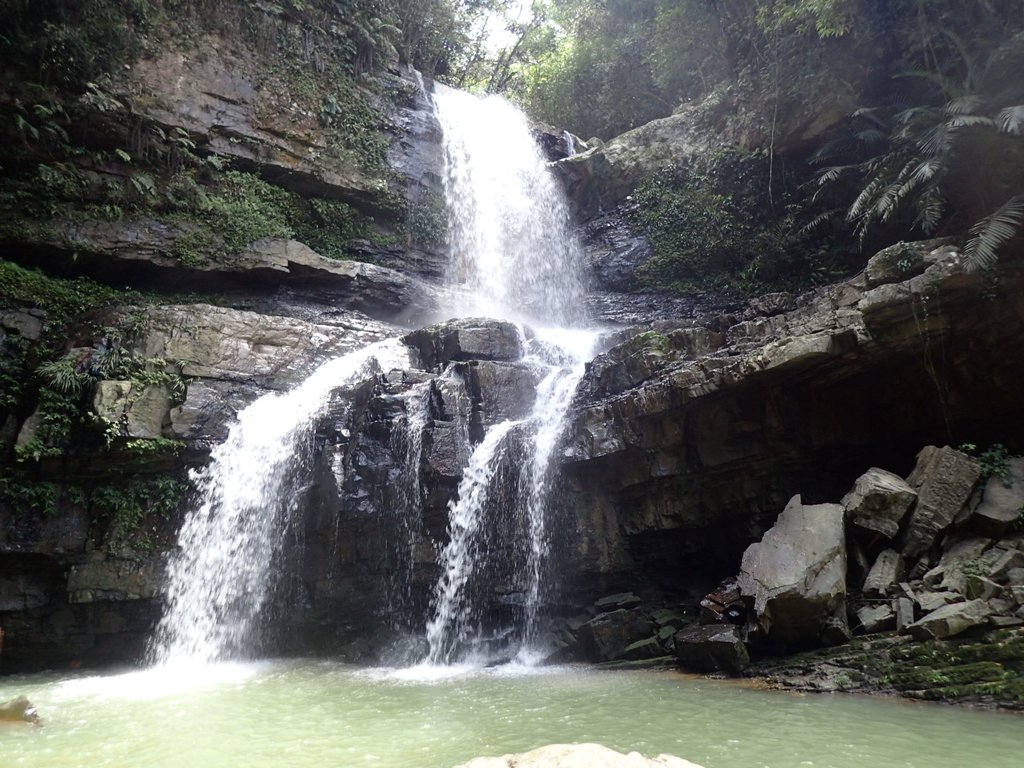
428,221
61,299
118,509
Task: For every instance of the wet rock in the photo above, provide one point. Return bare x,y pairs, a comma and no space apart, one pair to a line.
506,391
466,339
877,618
139,410
27,323
902,261
649,648
932,601
960,558
904,610
664,617
614,251
944,479
884,575
712,648
19,710
1001,502
607,635
578,756
950,620
796,576
1003,566
878,502
723,605
980,588
103,579
625,600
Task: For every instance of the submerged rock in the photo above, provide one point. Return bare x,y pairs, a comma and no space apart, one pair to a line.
578,756
18,710
712,648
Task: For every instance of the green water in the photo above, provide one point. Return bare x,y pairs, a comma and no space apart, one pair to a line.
292,714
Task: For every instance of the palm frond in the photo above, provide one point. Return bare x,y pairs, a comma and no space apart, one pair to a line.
927,169
1011,120
865,200
968,104
820,220
969,121
931,206
829,175
871,115
994,231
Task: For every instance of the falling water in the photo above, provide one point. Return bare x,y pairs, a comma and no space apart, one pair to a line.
220,576
403,501
448,628
515,258
513,252
570,144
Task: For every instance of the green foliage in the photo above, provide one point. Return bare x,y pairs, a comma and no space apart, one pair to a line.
124,506
71,44
949,157
28,497
994,461
120,508
61,299
715,228
63,376
428,221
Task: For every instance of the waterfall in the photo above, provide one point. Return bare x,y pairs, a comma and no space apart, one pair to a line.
514,257
403,501
220,576
513,252
449,626
570,144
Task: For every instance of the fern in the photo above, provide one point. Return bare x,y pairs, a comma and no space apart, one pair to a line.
994,231
1011,120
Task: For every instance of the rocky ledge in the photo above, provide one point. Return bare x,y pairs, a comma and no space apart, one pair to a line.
689,438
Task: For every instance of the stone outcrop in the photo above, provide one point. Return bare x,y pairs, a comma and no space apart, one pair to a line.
878,502
944,479
578,756
712,648
1001,502
796,577
689,437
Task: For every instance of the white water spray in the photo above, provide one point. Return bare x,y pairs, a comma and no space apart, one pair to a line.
515,258
513,252
221,575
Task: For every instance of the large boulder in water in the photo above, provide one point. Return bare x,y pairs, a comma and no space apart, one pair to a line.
712,648
578,756
796,576
19,710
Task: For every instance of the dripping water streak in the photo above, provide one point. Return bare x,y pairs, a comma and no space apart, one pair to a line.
219,578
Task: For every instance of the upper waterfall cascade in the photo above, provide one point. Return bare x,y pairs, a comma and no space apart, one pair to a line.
514,255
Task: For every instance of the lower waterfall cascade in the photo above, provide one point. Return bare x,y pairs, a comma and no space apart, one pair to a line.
514,259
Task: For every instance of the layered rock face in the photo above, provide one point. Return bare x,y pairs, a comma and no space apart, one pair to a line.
690,438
